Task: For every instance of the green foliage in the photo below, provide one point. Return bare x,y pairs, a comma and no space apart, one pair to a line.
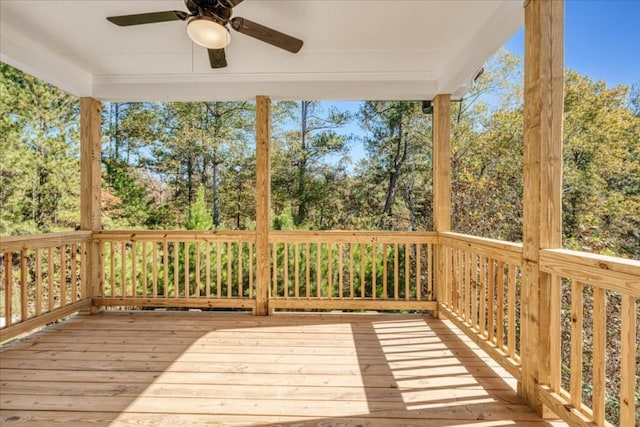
398,141
199,217
302,173
39,168
601,195
193,164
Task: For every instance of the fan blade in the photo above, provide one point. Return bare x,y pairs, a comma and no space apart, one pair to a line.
231,3
148,18
217,58
267,35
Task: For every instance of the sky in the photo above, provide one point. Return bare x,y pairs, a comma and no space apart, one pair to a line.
602,41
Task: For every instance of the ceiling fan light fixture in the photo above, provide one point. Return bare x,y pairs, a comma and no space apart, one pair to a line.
207,32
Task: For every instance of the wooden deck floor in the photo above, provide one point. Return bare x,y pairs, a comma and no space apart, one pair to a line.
174,369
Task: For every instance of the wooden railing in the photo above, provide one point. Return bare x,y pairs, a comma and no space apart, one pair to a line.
199,269
579,378
482,293
44,278
352,270
41,279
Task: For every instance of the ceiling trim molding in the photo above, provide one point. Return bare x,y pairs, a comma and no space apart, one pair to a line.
504,22
28,56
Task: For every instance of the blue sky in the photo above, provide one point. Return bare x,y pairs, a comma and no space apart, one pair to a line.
602,40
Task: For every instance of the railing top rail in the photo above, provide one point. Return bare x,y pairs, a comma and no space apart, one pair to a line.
497,249
604,262
349,236
37,241
481,241
175,235
618,274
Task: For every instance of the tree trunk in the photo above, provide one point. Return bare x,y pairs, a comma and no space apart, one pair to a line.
189,182
301,216
216,196
398,160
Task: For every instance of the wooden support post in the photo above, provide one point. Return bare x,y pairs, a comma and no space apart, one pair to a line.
441,183
542,210
90,156
263,204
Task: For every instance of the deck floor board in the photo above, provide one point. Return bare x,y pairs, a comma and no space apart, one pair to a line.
221,369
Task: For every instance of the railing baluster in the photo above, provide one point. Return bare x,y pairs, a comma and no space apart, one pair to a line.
240,270
296,281
219,270
466,288
103,268
165,265
319,270
251,263
83,270
187,256
123,268
74,272
363,256
63,276
628,352
50,291
329,271
455,305
598,367
197,271
308,270
8,288
39,282
473,287
407,279
340,270
396,272
134,269
482,291
143,272
154,269
555,333
351,285
229,270
374,256
24,314
385,292
430,273
176,269
577,313
491,285
274,285
112,268
285,267
418,272
511,311
207,269
500,309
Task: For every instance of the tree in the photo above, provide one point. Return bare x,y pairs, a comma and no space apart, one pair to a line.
601,194
307,150
206,144
397,133
40,168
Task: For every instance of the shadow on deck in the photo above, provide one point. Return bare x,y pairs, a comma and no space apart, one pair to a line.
184,368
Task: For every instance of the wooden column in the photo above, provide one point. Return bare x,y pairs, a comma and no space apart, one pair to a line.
263,204
441,181
542,210
90,212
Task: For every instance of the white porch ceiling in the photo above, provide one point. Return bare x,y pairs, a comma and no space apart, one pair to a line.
353,49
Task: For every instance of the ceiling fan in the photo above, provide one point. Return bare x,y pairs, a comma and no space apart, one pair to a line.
207,22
